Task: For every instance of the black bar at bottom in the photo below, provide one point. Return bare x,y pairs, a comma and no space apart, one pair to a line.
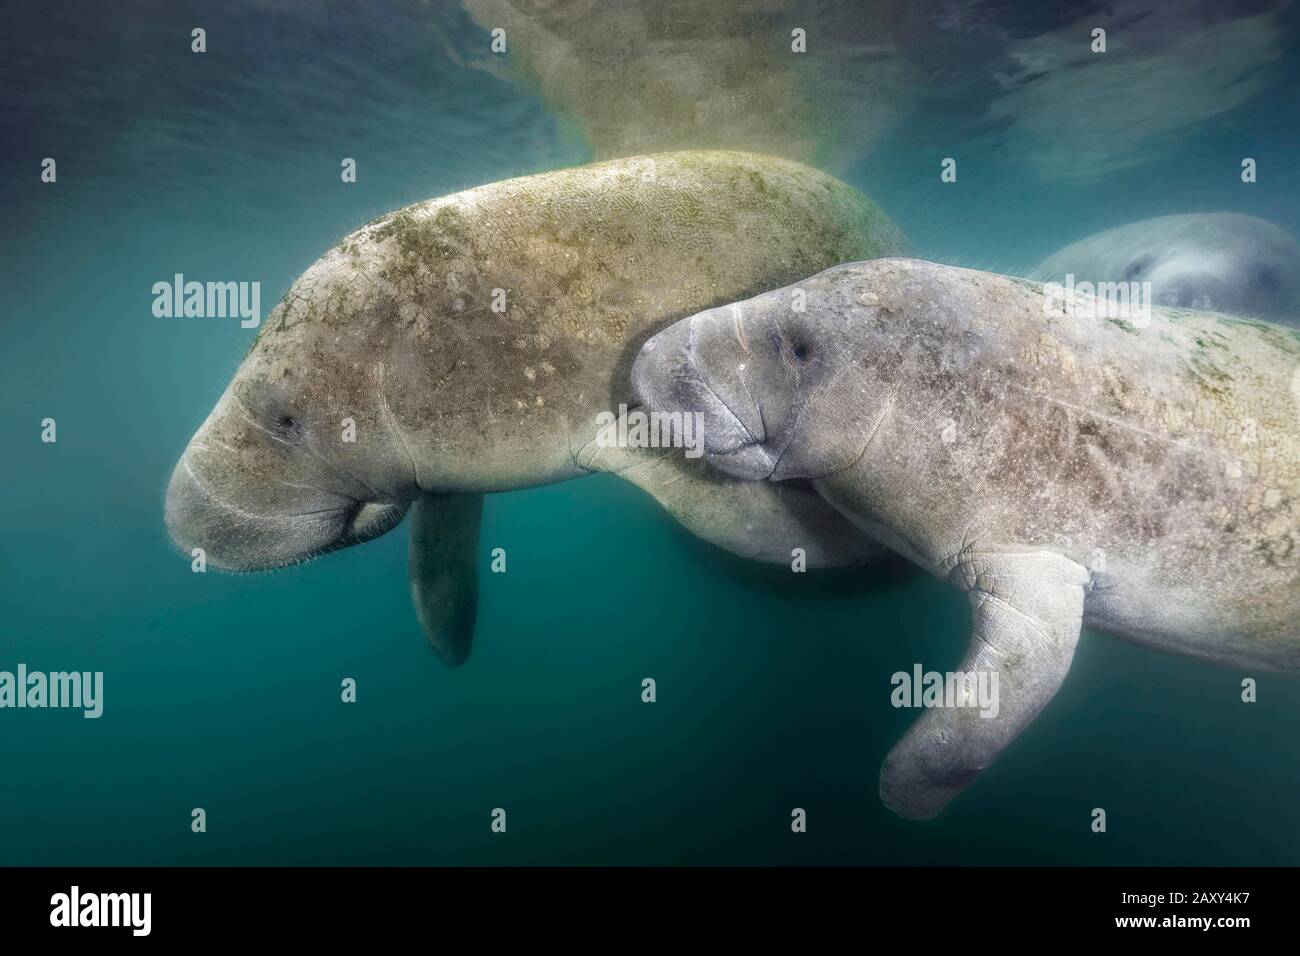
332,905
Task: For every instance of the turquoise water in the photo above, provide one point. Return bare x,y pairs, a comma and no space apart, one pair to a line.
222,691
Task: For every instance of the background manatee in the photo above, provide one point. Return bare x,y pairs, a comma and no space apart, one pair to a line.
1214,262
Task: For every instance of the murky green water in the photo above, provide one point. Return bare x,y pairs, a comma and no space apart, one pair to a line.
222,691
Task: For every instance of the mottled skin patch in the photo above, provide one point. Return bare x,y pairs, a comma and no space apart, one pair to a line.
1061,471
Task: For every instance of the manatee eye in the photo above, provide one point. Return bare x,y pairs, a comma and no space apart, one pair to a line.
800,352
287,429
1136,268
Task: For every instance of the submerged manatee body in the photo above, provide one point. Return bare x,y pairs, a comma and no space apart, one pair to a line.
1059,471
467,344
1214,262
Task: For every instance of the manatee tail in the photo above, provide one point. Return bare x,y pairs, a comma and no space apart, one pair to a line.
721,75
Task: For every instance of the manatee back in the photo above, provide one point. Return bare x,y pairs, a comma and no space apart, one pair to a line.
601,252
1130,392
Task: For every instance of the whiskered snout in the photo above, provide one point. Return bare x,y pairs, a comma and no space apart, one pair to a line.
205,512
672,375
240,528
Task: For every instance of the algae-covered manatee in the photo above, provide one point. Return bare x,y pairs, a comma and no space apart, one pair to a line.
470,344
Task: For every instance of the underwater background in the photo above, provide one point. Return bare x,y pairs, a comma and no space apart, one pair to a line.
222,691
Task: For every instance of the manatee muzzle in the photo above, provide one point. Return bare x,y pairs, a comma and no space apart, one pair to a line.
238,533
668,378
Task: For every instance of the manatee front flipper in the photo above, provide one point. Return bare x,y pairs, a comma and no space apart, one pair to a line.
1027,612
443,568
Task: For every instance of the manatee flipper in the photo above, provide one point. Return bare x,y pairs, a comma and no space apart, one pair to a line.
1027,610
443,568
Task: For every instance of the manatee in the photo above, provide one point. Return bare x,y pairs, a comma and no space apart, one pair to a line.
469,344
1062,472
1214,262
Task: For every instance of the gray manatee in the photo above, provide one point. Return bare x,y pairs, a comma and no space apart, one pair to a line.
1214,262
467,344
1061,471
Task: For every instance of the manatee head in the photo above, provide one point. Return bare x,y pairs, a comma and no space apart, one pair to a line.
774,378
376,379
1213,262
301,454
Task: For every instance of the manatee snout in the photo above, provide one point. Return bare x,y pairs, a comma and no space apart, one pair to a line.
237,540
759,371
247,518
688,370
